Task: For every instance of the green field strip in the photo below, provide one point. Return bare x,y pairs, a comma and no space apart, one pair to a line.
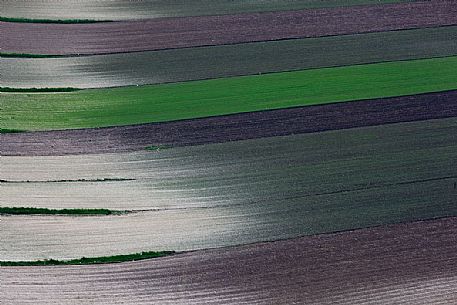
232,60
91,260
168,102
68,11
68,212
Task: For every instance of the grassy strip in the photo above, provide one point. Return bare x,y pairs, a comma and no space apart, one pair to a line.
24,55
68,180
31,90
92,260
44,211
157,147
6,130
61,21
168,102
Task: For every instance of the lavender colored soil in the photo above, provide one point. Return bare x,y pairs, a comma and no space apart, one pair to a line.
412,263
142,9
233,127
165,33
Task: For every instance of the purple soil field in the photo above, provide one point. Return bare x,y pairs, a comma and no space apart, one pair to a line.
233,127
412,263
166,33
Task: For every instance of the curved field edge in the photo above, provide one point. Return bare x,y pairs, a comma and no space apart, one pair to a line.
121,10
243,126
172,33
91,260
187,64
171,102
383,265
45,211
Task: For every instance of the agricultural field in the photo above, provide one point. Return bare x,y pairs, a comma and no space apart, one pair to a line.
233,193
232,60
228,152
413,263
144,9
233,127
177,101
170,33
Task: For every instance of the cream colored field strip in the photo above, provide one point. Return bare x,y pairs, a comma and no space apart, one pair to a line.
412,264
232,193
236,173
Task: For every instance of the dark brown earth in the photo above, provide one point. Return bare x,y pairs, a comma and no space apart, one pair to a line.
411,263
165,33
234,127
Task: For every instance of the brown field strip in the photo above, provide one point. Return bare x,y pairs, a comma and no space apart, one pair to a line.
411,264
166,33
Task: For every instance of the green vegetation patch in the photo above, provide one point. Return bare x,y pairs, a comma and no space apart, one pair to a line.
32,90
44,211
24,55
6,130
61,21
92,260
157,147
168,102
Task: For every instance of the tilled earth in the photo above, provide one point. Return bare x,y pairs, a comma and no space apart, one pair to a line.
166,33
142,9
231,193
258,202
411,263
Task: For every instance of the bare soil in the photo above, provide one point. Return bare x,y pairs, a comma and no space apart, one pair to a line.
411,263
167,33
